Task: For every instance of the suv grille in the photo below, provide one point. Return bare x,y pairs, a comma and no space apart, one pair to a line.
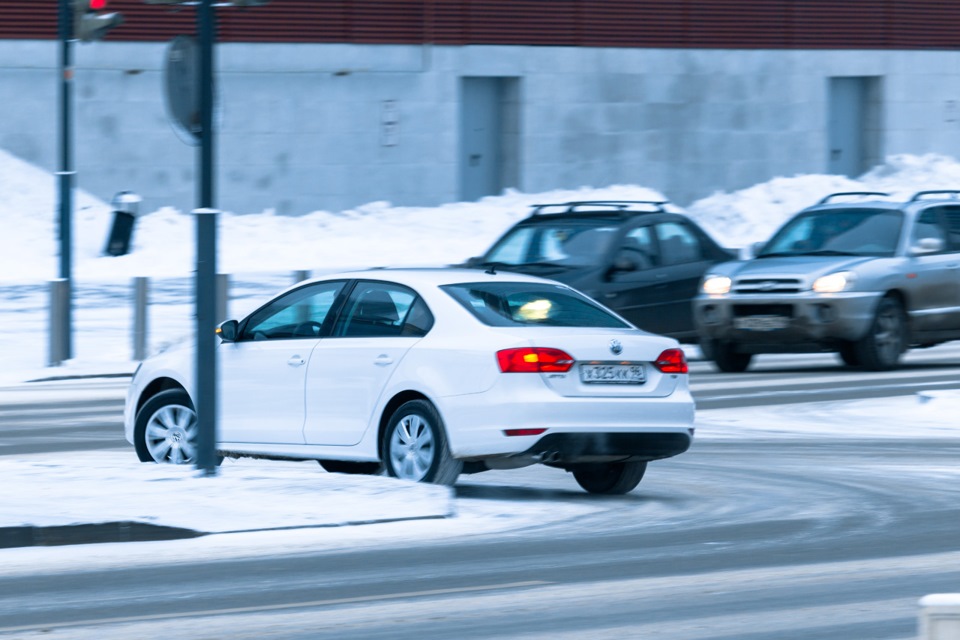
767,285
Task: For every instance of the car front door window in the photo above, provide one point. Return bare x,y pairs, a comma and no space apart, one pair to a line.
298,314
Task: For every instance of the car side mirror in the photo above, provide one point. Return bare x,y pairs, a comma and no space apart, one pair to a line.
927,245
228,330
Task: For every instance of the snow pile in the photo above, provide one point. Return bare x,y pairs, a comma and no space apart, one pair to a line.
378,234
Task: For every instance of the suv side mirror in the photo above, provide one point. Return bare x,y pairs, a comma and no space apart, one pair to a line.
228,330
927,245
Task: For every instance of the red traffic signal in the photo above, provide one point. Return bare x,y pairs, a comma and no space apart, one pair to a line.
89,24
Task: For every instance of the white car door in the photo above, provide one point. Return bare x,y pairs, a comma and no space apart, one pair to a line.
349,370
262,374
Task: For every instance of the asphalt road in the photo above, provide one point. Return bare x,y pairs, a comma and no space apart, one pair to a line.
748,540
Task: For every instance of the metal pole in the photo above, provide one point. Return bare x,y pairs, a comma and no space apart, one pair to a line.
206,288
223,297
140,299
65,176
58,299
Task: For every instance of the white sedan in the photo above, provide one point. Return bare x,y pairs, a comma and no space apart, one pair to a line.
426,374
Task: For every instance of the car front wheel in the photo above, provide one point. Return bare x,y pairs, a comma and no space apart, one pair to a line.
613,478
885,342
415,446
166,429
728,359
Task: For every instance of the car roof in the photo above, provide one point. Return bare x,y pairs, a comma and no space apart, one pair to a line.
432,276
882,200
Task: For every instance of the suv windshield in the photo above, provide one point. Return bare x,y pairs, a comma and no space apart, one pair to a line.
831,232
571,243
512,304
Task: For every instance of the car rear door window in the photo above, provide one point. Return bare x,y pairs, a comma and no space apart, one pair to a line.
381,310
511,304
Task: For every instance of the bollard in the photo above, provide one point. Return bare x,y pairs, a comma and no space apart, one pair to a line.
222,297
940,616
140,291
300,276
59,299
126,205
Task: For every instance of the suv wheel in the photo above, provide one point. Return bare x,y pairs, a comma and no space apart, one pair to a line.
885,342
728,359
849,354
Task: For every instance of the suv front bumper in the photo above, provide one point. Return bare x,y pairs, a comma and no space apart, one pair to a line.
785,323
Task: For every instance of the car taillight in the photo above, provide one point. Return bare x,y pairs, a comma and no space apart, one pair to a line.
671,361
534,360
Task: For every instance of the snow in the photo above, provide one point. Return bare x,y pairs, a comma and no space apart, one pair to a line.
262,250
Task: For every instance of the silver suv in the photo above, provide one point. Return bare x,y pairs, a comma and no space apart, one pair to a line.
855,274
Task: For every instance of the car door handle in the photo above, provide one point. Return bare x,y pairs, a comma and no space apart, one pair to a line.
383,360
296,361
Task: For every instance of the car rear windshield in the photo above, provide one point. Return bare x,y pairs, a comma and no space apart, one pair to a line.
854,231
513,304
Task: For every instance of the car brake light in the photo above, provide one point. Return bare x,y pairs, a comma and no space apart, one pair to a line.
671,361
523,432
534,360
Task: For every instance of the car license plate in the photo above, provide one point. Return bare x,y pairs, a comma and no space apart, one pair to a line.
612,373
761,323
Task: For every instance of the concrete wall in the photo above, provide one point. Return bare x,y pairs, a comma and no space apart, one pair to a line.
301,125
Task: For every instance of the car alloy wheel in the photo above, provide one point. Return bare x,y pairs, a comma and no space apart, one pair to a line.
166,429
415,446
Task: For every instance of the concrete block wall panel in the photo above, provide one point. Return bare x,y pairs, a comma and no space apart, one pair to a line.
302,124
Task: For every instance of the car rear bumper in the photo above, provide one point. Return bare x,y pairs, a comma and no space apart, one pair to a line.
642,428
801,322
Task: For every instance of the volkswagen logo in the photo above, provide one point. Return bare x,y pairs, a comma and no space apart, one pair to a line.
615,347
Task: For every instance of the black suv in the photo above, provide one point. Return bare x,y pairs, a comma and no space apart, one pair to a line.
637,258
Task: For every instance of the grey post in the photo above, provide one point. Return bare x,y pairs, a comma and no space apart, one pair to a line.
140,301
223,297
59,332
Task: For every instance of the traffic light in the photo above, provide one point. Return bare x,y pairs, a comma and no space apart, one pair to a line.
89,23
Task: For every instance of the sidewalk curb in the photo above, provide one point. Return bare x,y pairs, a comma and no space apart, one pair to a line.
130,531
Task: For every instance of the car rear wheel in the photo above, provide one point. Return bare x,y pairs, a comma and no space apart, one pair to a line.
353,468
885,342
415,446
613,478
728,359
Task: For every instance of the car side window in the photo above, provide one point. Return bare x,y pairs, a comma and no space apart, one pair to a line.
951,216
300,313
678,244
928,226
639,248
380,309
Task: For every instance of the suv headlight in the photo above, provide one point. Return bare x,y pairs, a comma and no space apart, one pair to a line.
835,282
714,285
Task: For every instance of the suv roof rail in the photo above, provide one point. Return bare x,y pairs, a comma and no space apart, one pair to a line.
954,193
617,205
840,194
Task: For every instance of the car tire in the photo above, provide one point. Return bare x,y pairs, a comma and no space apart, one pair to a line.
728,359
166,429
885,342
415,446
849,354
350,467
613,478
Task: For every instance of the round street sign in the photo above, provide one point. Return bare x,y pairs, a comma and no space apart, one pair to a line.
181,77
